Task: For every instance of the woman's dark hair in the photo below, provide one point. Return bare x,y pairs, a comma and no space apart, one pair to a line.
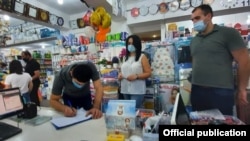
137,44
16,67
205,8
82,72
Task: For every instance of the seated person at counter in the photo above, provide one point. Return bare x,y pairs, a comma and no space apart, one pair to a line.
72,85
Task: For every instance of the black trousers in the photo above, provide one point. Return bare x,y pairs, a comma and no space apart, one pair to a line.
34,93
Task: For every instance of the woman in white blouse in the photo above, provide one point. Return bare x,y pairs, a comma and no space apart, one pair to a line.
134,71
20,79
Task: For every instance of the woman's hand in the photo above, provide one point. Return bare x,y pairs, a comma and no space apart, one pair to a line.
95,112
120,77
132,77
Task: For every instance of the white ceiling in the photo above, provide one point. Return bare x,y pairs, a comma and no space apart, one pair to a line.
76,6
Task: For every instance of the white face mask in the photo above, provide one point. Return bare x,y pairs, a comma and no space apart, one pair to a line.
200,26
77,85
131,48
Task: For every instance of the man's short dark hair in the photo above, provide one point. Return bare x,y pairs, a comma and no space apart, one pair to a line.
205,8
26,53
82,73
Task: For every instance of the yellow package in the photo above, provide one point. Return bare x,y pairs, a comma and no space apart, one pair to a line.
116,137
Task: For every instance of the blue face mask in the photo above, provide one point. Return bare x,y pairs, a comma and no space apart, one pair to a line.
131,48
200,26
77,85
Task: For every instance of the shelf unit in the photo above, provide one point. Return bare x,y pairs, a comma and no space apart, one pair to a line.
28,19
45,66
30,42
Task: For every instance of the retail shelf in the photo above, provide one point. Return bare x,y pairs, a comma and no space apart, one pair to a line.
28,19
30,42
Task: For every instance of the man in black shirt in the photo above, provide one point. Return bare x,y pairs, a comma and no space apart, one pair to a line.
33,68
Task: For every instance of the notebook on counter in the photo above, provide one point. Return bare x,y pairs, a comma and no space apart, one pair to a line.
62,122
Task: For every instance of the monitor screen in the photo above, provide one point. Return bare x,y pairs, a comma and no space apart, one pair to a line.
180,115
10,102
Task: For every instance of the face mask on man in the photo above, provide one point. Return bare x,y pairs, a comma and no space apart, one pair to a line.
200,26
131,48
77,85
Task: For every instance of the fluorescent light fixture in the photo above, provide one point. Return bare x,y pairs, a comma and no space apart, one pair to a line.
6,17
60,2
248,21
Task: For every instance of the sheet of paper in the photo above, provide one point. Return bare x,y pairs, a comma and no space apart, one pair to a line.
60,122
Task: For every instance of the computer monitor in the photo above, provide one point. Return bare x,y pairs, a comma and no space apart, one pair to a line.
180,115
10,102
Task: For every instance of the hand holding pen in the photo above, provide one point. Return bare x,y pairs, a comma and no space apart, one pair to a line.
69,111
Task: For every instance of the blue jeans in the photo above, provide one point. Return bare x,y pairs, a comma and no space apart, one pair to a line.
138,98
205,98
26,97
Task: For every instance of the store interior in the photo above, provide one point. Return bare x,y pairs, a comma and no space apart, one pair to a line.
61,32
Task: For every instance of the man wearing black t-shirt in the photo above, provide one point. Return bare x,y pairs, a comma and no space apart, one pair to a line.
33,68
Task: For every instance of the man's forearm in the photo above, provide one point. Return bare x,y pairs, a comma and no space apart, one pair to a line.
98,98
243,74
57,105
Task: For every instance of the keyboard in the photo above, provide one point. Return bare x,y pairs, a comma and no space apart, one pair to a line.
7,131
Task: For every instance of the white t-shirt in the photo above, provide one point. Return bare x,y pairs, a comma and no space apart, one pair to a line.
19,80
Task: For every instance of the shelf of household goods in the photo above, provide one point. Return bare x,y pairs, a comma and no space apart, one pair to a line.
30,42
28,19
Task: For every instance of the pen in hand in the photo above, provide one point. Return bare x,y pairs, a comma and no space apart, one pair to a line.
70,111
69,103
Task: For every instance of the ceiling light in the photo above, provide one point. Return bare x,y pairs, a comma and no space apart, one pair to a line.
154,36
248,21
60,2
6,17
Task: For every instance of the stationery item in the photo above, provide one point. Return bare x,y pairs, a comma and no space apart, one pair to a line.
70,105
61,122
